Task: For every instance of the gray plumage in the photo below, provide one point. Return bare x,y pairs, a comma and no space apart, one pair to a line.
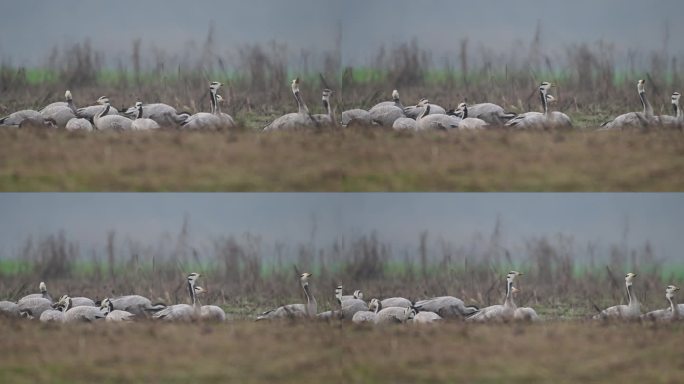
426,317
672,313
416,110
210,312
34,306
83,314
182,312
491,113
106,122
43,293
90,111
676,121
293,311
114,315
9,308
227,120
142,123
204,120
79,124
394,315
426,121
634,119
630,311
61,113
386,115
448,307
52,316
135,304
398,302
351,306
82,302
293,121
327,119
396,102
404,124
467,121
356,116
499,313
16,118
368,316
524,314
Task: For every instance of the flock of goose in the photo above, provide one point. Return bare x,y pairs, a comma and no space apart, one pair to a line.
420,117
348,307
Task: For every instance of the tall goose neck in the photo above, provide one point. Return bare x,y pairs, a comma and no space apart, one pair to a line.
104,111
193,297
212,99
545,104
630,296
140,112
426,111
465,112
509,296
300,102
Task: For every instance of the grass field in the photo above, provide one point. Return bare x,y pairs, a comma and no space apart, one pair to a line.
247,352
350,160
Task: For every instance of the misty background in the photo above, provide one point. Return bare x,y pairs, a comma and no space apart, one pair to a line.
32,29
465,221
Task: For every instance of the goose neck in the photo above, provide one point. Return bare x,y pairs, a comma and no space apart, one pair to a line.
545,103
509,295
193,297
426,111
103,112
630,295
301,106
212,99
674,307
140,112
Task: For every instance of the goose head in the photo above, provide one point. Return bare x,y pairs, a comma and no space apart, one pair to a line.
103,100
42,287
395,95
106,305
200,291
374,305
641,86
670,291
295,85
358,294
338,293
67,95
304,278
192,278
215,85
675,97
410,313
550,99
219,99
512,275
545,86
423,102
629,278
326,94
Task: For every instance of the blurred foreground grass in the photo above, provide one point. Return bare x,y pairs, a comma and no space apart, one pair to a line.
351,160
247,352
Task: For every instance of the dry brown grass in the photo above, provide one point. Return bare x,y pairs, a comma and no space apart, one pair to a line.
249,352
350,160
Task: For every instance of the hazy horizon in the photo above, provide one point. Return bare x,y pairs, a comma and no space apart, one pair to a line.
36,27
398,219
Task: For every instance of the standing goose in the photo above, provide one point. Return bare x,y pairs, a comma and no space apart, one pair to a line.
469,123
182,312
499,312
206,120
114,315
292,311
141,123
210,312
43,293
327,119
524,313
90,112
370,315
634,119
624,312
387,112
105,121
61,112
676,121
669,314
226,120
292,121
135,304
427,121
